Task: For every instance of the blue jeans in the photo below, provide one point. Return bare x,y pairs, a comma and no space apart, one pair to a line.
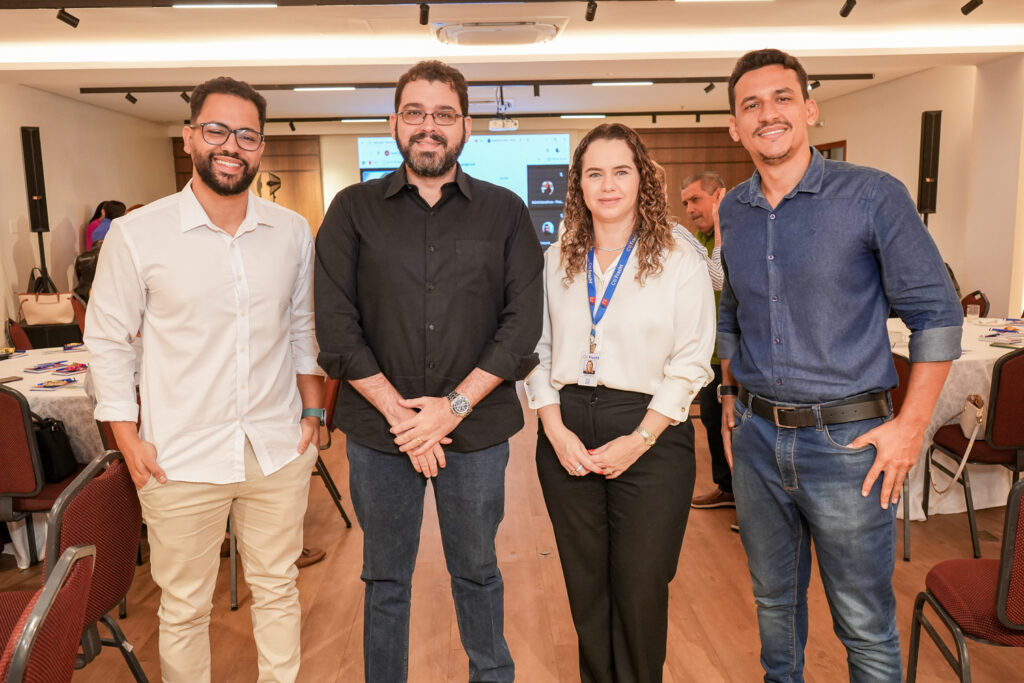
387,494
793,486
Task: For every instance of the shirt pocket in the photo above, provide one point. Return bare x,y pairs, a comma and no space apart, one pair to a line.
479,266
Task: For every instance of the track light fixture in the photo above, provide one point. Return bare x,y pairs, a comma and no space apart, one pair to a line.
696,118
708,88
424,14
591,10
814,85
847,7
291,125
72,21
971,6
131,98
185,96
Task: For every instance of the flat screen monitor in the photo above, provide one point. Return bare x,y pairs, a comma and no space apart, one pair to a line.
534,166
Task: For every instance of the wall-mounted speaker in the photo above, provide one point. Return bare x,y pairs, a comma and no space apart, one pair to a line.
928,171
38,218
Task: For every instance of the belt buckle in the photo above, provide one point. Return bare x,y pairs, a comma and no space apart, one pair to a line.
775,414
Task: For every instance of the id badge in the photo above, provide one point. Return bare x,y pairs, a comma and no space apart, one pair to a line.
589,367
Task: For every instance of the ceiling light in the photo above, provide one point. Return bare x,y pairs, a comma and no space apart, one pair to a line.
72,21
131,98
591,10
291,125
966,9
708,88
184,96
604,83
813,85
582,116
847,8
370,120
696,118
226,5
424,14
323,88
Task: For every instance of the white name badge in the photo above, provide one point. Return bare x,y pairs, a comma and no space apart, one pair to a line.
589,369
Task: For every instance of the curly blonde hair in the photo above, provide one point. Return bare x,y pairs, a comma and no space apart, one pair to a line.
652,227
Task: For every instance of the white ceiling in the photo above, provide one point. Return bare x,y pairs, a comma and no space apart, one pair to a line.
135,47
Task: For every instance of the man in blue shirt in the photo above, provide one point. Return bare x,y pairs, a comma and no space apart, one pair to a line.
815,253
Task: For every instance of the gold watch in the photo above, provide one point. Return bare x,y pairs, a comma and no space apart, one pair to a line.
649,438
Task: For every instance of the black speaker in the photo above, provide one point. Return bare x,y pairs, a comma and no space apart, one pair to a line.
928,171
38,218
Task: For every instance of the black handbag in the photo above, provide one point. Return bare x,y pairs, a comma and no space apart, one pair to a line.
54,449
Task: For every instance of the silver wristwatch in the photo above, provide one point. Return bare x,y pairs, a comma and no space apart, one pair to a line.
459,404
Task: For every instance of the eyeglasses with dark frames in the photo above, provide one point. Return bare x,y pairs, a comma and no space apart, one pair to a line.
217,134
415,117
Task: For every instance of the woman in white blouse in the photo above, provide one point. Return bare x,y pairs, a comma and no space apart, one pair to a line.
628,331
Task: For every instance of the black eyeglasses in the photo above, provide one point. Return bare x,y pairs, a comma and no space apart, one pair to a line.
217,134
415,117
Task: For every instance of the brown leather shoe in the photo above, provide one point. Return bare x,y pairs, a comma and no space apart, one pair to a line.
716,499
310,556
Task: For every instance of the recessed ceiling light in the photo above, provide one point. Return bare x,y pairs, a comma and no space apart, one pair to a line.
363,120
582,116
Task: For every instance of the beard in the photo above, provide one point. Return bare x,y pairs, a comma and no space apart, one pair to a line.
431,164
778,157
225,188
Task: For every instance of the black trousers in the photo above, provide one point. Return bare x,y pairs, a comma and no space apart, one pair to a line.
711,417
618,539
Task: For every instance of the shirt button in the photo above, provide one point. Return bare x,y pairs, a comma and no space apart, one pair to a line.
775,298
772,216
430,364
430,286
778,341
430,327
771,257
433,213
779,382
432,248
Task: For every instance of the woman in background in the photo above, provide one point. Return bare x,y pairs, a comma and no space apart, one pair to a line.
628,332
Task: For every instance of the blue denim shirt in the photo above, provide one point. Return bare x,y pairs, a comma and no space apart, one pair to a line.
809,284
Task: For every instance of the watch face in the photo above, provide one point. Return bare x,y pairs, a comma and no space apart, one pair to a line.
460,404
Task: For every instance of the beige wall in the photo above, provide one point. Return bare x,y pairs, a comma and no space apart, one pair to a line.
89,154
979,223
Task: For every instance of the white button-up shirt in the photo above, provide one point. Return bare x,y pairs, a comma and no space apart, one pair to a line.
226,323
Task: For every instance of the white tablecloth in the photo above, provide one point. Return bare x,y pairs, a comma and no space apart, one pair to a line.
970,374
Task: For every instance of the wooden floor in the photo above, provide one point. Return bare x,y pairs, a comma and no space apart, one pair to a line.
712,629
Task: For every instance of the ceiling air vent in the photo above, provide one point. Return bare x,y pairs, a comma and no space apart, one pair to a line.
500,32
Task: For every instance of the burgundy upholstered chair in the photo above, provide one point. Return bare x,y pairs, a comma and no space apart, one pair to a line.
22,487
19,339
978,298
978,599
101,507
1003,442
897,396
42,638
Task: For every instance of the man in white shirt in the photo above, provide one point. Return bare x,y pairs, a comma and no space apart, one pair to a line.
219,283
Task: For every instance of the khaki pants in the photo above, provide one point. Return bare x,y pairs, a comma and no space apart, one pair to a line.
186,523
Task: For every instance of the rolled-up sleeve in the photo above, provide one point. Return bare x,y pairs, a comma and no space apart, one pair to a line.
510,353
301,333
112,321
688,368
539,391
914,275
344,353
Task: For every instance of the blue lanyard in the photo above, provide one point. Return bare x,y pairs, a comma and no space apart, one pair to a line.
597,310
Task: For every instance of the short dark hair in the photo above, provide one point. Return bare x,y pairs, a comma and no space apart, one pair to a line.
709,181
113,209
225,85
759,59
435,71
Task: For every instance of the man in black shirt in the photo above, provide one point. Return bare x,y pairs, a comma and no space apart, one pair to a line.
428,306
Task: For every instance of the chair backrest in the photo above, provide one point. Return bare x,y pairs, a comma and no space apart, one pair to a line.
19,339
101,508
44,644
976,297
1010,590
79,308
898,394
22,471
1005,427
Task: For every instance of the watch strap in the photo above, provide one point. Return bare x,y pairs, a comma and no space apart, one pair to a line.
649,438
319,413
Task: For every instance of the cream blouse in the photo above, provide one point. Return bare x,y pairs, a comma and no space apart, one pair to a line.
653,339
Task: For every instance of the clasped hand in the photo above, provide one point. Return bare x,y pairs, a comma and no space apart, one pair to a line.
421,428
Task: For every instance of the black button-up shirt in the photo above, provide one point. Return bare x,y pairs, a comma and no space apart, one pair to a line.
424,294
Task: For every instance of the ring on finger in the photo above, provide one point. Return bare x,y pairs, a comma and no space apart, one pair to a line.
578,468
419,439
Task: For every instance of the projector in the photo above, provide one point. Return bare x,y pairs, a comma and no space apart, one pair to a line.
499,124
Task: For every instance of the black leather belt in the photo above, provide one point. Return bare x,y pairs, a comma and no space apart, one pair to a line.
834,412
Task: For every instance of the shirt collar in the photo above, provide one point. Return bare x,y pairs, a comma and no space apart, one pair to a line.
194,216
400,180
810,182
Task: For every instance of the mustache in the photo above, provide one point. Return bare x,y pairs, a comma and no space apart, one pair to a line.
434,137
776,122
